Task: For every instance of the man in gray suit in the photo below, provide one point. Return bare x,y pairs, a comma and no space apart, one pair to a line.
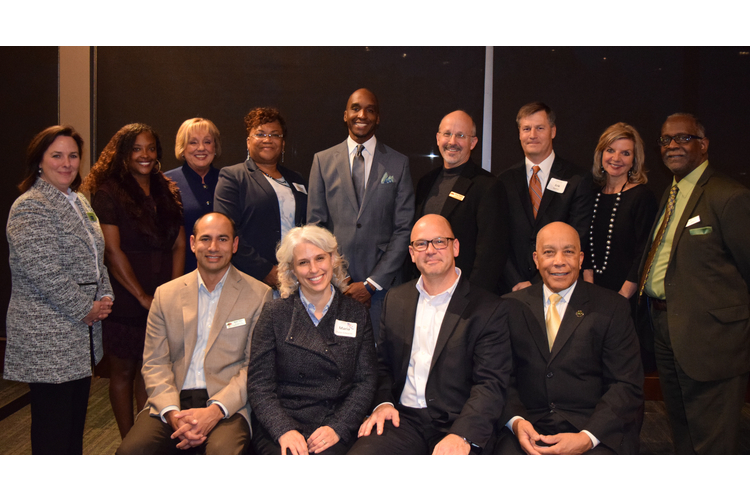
361,190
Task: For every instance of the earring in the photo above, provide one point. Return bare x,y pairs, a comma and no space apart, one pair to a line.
40,170
282,156
630,173
601,169
158,167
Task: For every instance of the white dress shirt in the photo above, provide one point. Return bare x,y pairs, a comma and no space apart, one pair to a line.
195,378
428,320
544,169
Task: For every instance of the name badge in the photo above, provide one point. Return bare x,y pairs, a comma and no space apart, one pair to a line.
236,323
557,185
299,187
694,220
345,329
457,196
92,216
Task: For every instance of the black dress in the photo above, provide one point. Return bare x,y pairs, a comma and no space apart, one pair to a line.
631,224
124,330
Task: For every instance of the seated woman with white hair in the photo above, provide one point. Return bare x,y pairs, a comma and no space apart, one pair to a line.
312,373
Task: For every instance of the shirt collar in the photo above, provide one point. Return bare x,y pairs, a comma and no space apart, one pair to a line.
219,285
449,292
692,178
545,166
310,306
564,293
369,144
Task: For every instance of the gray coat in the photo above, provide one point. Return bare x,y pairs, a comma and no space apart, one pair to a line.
302,377
54,279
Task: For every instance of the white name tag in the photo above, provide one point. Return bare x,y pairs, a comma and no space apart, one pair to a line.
345,329
299,187
236,323
694,220
557,185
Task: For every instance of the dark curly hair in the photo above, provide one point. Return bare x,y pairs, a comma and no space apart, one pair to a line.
261,116
39,145
112,169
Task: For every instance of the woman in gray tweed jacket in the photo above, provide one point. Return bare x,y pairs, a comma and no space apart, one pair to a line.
312,372
60,294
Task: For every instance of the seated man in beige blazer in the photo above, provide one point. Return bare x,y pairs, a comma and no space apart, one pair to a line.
197,351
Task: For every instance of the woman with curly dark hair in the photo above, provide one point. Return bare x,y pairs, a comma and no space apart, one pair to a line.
264,198
141,217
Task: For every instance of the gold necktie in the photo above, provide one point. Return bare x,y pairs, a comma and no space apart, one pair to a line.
657,240
553,319
535,190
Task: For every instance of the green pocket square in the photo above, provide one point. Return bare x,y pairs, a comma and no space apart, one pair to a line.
697,231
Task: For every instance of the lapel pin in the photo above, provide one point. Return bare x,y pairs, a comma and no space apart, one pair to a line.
579,313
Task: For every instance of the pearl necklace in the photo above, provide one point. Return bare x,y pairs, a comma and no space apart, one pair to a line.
609,230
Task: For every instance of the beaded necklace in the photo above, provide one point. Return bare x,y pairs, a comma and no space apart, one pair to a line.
609,230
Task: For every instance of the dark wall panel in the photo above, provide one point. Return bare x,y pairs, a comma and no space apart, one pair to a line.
163,86
28,93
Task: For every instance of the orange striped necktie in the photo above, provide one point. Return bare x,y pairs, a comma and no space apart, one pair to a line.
535,190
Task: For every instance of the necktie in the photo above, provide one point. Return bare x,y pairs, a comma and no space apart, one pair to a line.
535,190
553,319
358,174
659,235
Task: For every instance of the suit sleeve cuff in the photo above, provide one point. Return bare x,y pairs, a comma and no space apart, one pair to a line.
167,410
509,424
594,441
224,411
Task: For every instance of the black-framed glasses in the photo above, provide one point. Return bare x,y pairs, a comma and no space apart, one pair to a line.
261,135
438,243
665,140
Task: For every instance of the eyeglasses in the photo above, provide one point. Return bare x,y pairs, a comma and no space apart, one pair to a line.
665,140
438,243
448,135
261,135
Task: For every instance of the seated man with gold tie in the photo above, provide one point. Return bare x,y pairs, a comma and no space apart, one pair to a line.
577,380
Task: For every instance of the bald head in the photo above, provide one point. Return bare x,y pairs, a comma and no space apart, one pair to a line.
437,265
456,138
558,255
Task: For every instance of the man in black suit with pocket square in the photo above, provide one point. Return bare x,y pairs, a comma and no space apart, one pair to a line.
543,188
577,381
443,357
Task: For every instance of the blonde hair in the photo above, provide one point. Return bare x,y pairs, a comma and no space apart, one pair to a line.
315,235
620,130
194,125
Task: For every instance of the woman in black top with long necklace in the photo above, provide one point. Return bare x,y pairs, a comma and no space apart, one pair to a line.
624,211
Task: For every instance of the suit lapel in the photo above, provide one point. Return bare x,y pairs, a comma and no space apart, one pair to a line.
533,297
341,160
689,207
461,186
259,179
377,171
189,300
305,334
407,311
453,313
523,192
229,295
555,172
574,314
